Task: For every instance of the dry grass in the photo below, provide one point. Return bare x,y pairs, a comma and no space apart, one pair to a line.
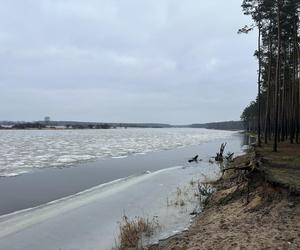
179,191
282,167
132,231
192,192
192,182
180,203
287,153
184,195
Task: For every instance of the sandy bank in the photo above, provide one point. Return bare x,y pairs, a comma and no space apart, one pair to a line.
266,217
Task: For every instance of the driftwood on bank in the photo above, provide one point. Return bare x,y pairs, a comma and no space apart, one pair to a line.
194,159
219,156
229,157
250,166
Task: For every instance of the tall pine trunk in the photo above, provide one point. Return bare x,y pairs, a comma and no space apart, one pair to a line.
269,90
259,87
277,80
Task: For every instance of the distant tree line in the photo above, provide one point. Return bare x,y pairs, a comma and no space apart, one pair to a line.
274,115
29,125
76,125
228,125
41,125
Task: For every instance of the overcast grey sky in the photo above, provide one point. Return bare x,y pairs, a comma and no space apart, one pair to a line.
169,61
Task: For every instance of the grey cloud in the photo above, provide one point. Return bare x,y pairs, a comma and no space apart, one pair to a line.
112,60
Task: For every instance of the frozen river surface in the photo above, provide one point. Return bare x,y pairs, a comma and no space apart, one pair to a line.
89,219
25,150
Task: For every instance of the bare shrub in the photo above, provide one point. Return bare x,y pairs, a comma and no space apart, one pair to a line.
132,231
205,191
179,191
192,182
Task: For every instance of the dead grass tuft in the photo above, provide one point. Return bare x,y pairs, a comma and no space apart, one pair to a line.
133,231
192,182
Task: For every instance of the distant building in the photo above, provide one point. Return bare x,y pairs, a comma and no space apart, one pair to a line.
47,119
6,126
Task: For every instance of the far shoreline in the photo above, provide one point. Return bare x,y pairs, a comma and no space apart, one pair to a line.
47,124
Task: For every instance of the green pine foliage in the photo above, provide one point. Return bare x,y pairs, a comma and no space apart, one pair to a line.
274,115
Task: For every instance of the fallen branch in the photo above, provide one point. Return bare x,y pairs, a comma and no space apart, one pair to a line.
251,166
195,159
219,156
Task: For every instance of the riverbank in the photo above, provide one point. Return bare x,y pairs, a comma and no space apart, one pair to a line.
259,209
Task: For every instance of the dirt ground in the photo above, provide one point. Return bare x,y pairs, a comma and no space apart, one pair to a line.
269,220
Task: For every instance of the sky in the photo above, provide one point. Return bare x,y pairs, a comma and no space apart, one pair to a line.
165,61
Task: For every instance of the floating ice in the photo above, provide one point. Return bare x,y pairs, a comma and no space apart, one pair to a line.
24,150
